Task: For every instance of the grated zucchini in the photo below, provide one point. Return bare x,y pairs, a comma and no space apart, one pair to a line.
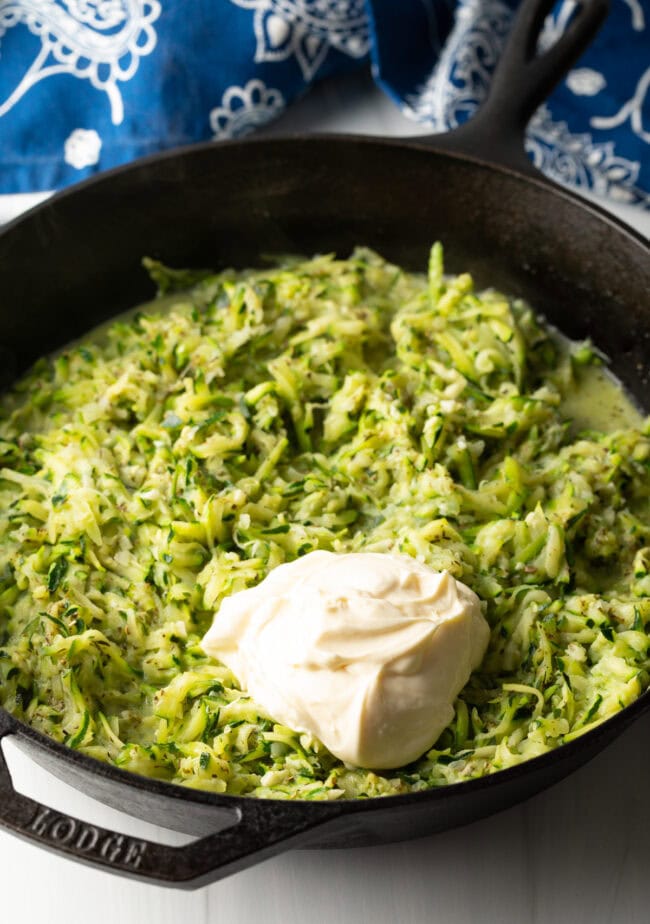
181,453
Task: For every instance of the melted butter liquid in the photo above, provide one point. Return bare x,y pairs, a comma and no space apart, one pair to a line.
596,400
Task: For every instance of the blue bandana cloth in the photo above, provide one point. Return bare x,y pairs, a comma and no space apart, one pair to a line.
90,84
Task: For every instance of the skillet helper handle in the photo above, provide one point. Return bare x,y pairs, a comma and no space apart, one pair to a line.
259,831
522,80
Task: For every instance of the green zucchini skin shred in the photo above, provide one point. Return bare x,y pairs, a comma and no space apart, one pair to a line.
181,453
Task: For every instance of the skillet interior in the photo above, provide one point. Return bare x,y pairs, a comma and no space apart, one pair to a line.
76,261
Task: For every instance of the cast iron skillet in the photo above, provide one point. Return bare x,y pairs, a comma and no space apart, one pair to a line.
75,260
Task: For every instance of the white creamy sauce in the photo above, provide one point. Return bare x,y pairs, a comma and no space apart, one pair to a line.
365,651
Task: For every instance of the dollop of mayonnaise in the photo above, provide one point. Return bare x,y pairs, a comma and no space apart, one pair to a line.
366,651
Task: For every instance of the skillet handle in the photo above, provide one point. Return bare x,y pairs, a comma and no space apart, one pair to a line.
522,81
258,831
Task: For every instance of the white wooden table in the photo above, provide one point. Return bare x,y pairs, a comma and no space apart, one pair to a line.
576,853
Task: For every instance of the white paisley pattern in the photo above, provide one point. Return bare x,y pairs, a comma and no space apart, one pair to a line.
307,29
638,17
244,109
585,81
82,148
577,160
101,41
461,77
632,110
460,82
